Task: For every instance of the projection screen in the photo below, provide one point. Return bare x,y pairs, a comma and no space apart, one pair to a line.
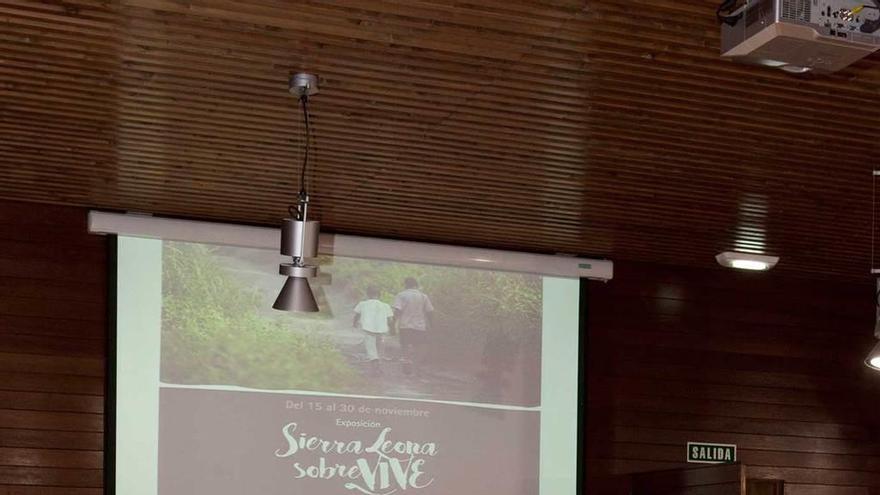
418,378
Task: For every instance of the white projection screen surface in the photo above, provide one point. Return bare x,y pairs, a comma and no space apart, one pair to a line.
418,379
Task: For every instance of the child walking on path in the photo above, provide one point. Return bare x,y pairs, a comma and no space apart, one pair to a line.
374,318
414,313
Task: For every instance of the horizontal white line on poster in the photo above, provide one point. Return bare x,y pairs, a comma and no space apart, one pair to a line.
138,225
233,388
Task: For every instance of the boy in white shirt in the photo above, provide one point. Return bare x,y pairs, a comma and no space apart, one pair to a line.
374,318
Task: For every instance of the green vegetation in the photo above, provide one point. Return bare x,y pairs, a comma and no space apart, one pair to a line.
473,307
213,332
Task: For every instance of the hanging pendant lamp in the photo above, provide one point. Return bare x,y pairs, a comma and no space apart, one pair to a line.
299,235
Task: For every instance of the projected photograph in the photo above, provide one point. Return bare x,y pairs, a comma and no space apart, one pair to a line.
385,329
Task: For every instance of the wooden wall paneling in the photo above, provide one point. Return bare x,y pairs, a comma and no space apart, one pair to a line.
767,362
52,345
704,480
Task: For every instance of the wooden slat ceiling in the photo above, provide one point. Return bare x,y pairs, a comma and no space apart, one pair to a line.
601,128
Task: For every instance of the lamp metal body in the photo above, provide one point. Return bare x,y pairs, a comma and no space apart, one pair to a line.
296,295
299,238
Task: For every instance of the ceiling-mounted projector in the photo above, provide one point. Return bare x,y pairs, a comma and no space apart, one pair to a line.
800,35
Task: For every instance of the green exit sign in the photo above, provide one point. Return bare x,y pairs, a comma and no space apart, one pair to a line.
711,453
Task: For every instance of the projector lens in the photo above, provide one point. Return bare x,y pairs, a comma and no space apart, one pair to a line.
795,69
773,63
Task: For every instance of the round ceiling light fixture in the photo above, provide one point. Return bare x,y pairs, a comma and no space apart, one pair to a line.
873,359
746,261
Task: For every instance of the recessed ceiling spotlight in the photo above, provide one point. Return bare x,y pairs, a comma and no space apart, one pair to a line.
747,261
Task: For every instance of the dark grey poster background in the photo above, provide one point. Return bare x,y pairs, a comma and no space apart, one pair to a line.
225,443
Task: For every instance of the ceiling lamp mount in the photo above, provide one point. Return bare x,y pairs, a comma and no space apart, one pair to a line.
303,84
299,235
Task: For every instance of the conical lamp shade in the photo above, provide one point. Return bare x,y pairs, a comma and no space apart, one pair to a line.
296,295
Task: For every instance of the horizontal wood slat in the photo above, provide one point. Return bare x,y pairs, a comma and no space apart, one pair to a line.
30,363
41,401
51,439
57,458
49,490
27,475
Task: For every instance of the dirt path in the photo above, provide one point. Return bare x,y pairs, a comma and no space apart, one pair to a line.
259,270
